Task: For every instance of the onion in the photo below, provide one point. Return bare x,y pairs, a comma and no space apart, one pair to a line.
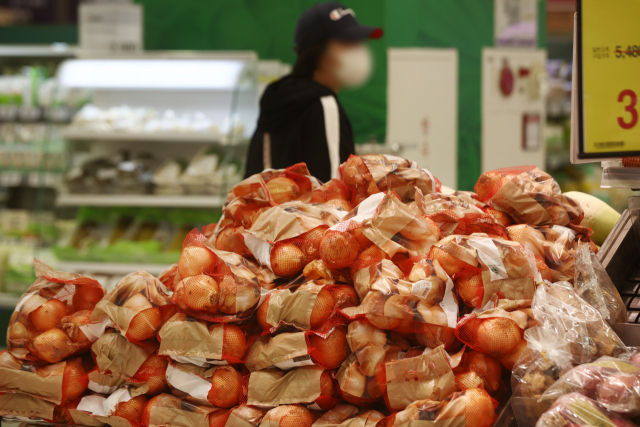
48,315
416,230
261,315
433,314
75,380
226,387
234,342
345,296
398,307
153,372
435,293
247,296
510,359
322,308
7,360
71,326
479,410
501,217
311,243
161,400
340,203
498,336
467,380
338,250
229,240
31,303
132,410
354,382
363,241
17,335
326,383
440,273
434,335
370,256
137,303
296,416
219,418
468,288
371,359
227,299
86,297
354,171
373,387
332,350
287,259
486,366
362,333
53,346
201,293
196,260
283,189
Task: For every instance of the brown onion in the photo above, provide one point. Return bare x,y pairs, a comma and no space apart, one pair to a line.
322,308
498,336
229,240
234,343
201,293
283,189
338,250
286,260
196,260
53,346
226,387
332,350
86,297
48,315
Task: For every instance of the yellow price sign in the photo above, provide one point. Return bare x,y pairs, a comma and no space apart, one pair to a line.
609,78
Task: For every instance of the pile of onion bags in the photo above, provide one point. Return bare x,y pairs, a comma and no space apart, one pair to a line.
287,237
49,322
374,173
217,286
334,192
138,306
529,195
482,266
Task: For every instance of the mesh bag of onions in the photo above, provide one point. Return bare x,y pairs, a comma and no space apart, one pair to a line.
28,408
311,306
49,322
189,340
290,416
496,332
334,192
468,408
381,227
529,195
123,408
249,198
482,266
216,286
293,349
170,277
420,302
165,410
58,383
312,386
458,214
559,307
576,409
287,237
348,415
375,173
480,370
220,386
138,306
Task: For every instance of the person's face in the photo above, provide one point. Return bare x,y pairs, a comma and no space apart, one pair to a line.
348,62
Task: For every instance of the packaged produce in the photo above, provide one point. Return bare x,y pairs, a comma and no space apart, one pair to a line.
29,409
166,410
334,192
116,355
559,307
189,340
308,385
287,237
480,370
576,409
243,415
122,408
216,286
348,415
58,383
220,386
293,349
170,277
482,266
594,285
598,216
529,195
546,358
138,306
374,173
468,408
290,415
49,322
106,383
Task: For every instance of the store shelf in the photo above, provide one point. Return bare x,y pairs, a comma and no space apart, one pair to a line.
201,138
8,300
109,268
55,50
139,200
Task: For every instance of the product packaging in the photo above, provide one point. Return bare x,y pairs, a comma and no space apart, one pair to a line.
166,410
333,192
170,277
24,407
345,415
290,415
220,386
576,409
480,370
115,355
122,408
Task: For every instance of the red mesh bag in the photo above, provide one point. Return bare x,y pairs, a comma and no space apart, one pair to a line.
47,324
220,386
290,416
189,340
217,286
334,192
231,239
458,214
312,306
480,370
482,267
375,173
470,408
166,410
503,218
170,277
287,237
631,162
496,332
153,373
381,227
59,383
529,195
309,385
115,355
138,306
249,198
121,408
293,349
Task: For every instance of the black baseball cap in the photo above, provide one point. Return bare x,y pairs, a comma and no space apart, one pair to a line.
330,20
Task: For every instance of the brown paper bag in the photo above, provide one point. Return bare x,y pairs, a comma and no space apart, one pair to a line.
114,354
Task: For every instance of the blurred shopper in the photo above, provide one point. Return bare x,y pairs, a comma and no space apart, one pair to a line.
301,119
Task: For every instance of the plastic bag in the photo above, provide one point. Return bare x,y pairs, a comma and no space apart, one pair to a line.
529,195
121,408
594,285
116,355
545,359
480,370
576,409
334,192
375,173
290,415
49,321
166,410
220,386
558,306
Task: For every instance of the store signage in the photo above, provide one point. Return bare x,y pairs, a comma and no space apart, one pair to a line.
111,27
608,73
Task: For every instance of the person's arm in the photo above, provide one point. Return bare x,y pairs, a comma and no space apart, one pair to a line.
315,152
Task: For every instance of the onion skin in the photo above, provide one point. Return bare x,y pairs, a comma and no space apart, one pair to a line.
345,296
196,260
48,315
355,381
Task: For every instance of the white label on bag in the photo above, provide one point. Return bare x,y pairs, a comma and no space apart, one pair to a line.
103,389
421,288
294,363
490,256
189,383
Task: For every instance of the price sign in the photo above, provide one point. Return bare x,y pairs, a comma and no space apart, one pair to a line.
608,74
114,28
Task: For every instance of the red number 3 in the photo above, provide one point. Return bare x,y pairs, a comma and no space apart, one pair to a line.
631,108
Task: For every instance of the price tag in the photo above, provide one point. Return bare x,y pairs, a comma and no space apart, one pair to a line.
113,28
609,78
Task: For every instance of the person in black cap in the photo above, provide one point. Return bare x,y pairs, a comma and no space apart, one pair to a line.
301,119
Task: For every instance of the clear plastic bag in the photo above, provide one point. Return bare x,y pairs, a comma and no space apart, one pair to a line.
576,409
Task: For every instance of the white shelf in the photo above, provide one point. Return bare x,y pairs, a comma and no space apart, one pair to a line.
139,200
201,138
109,267
8,300
60,50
